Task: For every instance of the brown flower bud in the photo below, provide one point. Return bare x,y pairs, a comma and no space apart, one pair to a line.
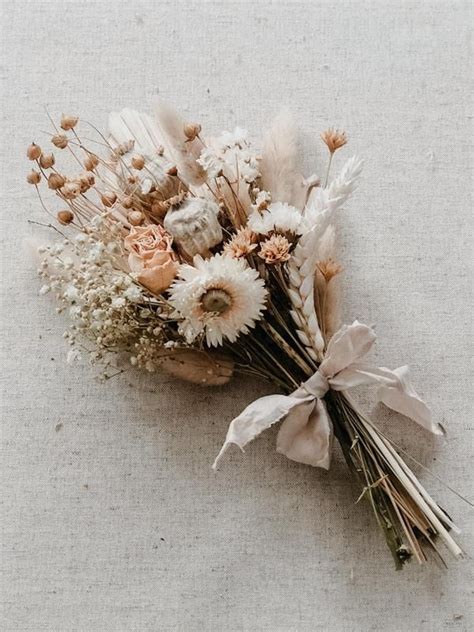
91,162
191,130
68,122
172,171
60,141
108,198
127,202
34,177
86,180
136,218
159,208
47,161
65,217
56,181
33,152
138,162
71,190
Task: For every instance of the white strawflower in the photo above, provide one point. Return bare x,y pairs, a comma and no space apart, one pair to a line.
211,162
279,217
220,296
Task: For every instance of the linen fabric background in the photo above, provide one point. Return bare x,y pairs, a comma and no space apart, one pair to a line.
112,518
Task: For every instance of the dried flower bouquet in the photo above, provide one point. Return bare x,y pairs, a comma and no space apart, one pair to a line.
202,258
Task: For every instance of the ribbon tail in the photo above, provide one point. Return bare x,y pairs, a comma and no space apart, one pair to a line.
402,397
306,435
257,417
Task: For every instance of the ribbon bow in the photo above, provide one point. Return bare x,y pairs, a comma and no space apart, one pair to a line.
306,433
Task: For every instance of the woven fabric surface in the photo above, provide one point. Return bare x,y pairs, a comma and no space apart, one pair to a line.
112,519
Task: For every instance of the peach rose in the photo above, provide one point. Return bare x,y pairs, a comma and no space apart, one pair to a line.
151,256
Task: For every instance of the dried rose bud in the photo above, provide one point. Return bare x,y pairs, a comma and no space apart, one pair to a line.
34,177
68,122
47,161
71,190
60,141
136,218
138,162
65,217
56,181
172,171
108,199
191,130
33,152
91,162
127,202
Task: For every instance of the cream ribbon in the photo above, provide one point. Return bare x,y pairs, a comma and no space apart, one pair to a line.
306,433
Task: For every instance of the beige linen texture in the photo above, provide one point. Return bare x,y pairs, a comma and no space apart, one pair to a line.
112,518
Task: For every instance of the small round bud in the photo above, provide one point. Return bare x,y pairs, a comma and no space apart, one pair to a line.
68,122
47,161
65,217
60,141
91,162
138,162
191,130
136,218
56,181
71,190
160,150
108,199
127,202
86,181
34,177
172,171
33,152
159,208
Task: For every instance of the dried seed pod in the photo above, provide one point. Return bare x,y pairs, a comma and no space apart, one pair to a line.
108,198
198,367
71,190
56,181
195,225
68,122
86,180
65,217
138,161
60,141
47,161
159,208
33,152
192,130
127,202
91,162
136,218
34,177
172,171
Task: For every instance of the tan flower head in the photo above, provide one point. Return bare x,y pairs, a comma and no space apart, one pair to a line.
334,139
151,256
276,249
241,244
329,269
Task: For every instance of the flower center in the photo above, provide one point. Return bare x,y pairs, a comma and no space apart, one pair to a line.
216,301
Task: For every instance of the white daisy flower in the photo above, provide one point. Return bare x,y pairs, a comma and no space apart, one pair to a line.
278,217
220,296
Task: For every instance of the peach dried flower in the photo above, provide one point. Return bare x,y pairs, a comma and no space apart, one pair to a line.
334,139
241,244
151,256
276,249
